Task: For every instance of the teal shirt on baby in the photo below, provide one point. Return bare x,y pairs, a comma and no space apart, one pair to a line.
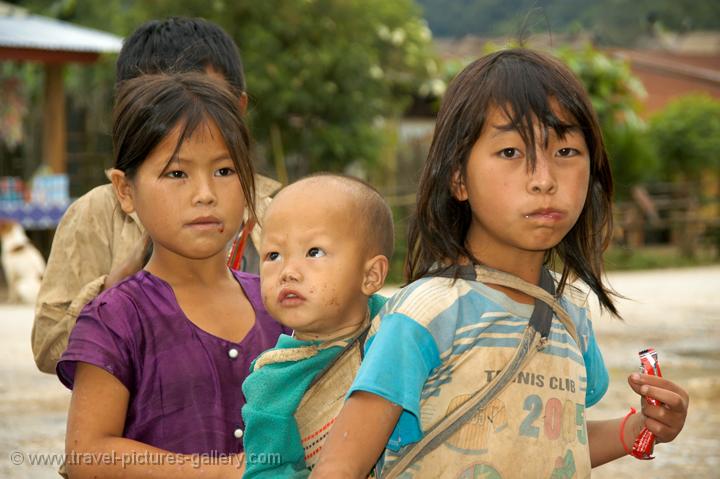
273,447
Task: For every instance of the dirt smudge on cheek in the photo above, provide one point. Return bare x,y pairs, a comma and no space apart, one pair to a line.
331,294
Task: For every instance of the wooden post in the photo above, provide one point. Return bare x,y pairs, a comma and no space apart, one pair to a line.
54,133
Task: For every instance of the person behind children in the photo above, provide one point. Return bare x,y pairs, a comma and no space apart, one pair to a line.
96,244
326,244
517,175
157,361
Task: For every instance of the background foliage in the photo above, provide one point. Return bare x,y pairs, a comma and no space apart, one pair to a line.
609,22
686,135
327,78
330,80
321,74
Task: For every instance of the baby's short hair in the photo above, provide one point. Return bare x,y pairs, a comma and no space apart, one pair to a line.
374,213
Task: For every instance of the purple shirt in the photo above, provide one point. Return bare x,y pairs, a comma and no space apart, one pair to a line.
184,383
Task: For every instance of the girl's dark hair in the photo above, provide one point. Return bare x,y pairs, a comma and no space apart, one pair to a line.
148,109
529,87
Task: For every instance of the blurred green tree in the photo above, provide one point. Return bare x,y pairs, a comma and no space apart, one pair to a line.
687,136
322,74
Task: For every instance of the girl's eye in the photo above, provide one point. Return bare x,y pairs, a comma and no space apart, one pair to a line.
316,253
272,256
509,153
177,174
567,151
225,172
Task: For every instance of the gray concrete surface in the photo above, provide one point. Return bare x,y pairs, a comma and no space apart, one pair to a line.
677,312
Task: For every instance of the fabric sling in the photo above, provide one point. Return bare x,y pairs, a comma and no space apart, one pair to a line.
534,338
325,396
357,342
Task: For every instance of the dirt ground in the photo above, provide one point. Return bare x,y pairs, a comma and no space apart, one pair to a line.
678,313
675,311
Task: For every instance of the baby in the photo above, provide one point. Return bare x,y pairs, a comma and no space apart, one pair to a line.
327,240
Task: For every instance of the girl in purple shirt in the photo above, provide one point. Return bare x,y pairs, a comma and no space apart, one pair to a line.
156,362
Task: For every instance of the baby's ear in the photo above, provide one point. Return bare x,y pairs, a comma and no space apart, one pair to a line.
376,270
123,190
457,187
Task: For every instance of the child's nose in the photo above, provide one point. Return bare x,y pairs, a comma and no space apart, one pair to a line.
541,177
290,274
204,193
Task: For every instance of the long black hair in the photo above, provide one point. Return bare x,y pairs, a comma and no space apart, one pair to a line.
528,87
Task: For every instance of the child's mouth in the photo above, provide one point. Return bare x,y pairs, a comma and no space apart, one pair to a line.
546,214
290,298
206,223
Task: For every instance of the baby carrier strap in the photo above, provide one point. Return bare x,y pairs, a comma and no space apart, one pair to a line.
534,338
273,356
358,341
325,396
545,293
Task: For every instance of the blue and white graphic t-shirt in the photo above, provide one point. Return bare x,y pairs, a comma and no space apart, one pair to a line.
438,340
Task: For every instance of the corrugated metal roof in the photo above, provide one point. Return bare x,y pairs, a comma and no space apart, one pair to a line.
19,30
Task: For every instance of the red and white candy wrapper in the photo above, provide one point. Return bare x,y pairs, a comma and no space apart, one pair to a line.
645,442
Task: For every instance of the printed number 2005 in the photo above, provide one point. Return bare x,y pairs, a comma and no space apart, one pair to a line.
568,419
